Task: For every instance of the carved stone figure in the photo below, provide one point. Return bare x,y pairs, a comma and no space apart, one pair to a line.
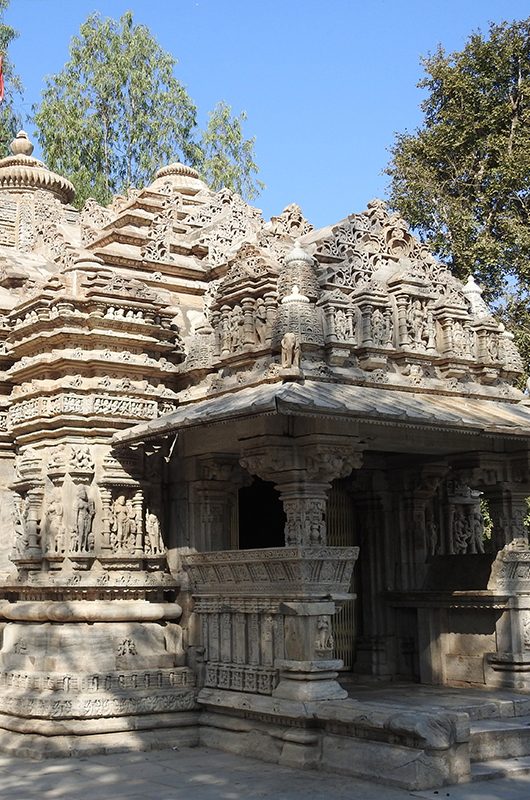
341,325
58,457
236,327
477,537
84,510
54,524
290,351
154,544
324,642
81,459
379,334
20,517
461,532
121,523
260,320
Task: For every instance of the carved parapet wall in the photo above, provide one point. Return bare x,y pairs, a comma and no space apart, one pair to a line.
286,572
263,613
510,576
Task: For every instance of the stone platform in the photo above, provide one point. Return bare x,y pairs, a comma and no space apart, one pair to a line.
406,735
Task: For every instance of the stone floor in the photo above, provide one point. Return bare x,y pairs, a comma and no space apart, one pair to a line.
479,703
202,774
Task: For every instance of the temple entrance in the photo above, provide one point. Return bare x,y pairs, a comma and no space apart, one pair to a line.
261,516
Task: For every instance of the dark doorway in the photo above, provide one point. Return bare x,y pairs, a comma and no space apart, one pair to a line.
261,516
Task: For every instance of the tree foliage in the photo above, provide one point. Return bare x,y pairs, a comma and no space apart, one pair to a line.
116,112
227,158
9,118
462,180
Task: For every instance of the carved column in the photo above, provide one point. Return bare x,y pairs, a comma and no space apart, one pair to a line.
508,509
302,470
367,325
270,305
418,489
403,331
249,328
373,646
225,330
214,502
138,504
106,502
216,327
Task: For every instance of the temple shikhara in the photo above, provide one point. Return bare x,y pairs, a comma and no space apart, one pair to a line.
252,472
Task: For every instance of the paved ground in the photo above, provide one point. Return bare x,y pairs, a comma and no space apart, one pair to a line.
202,774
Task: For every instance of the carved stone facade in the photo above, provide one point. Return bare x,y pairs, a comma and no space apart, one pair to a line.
206,421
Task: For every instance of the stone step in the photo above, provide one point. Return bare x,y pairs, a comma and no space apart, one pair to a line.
500,768
493,739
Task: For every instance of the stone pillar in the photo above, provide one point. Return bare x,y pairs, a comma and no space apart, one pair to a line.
138,504
302,470
270,305
214,502
106,502
225,332
249,327
417,490
374,645
216,326
367,325
508,508
403,331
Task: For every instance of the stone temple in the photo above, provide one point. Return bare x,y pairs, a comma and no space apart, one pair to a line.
247,467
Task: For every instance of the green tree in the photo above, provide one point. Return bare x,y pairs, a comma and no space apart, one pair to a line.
227,158
116,112
462,179
10,121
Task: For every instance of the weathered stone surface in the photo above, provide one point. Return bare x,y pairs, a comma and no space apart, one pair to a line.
206,421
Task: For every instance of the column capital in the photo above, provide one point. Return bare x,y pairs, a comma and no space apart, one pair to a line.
310,458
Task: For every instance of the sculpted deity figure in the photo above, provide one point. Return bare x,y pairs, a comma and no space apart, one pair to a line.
154,538
378,328
461,531
133,524
84,511
53,522
492,347
260,320
415,320
290,351
120,527
341,325
477,537
236,327
324,640
57,458
20,516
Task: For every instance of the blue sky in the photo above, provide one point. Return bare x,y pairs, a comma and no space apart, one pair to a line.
326,85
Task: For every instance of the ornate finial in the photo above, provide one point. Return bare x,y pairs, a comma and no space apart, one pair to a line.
298,254
21,145
295,296
473,293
